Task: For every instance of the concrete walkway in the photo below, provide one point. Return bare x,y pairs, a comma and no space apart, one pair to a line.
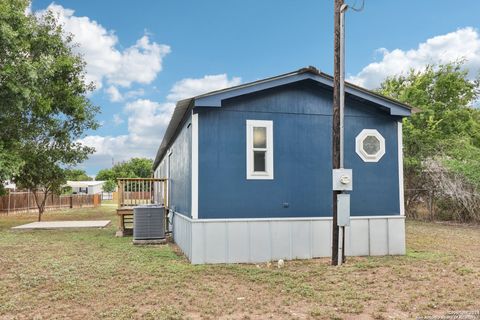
64,224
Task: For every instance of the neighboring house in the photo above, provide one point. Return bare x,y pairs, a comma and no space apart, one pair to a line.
9,185
250,171
86,187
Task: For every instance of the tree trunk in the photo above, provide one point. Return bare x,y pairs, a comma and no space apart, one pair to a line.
40,205
35,196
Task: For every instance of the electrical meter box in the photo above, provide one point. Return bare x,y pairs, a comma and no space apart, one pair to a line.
343,210
342,179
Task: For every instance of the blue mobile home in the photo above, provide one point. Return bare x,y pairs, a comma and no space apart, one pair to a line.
250,171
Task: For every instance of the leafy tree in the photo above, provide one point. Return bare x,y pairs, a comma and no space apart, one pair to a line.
12,92
105,174
9,165
448,127
141,167
133,168
43,98
41,174
77,175
109,186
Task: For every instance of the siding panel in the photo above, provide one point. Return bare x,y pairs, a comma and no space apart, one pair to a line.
180,171
254,240
302,123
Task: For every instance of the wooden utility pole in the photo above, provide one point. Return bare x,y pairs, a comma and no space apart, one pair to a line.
336,124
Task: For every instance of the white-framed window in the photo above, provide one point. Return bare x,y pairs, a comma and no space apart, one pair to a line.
370,145
259,149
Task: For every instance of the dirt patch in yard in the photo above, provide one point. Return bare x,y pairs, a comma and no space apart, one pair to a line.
90,274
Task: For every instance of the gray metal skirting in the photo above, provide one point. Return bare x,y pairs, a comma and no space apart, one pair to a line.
261,240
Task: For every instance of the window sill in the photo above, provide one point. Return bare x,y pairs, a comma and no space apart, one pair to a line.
260,177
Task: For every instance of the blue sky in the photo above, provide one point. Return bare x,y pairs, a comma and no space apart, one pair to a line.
144,55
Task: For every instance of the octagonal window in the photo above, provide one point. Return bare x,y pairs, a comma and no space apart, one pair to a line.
370,145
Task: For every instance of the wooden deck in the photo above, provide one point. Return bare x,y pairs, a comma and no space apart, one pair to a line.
125,221
134,192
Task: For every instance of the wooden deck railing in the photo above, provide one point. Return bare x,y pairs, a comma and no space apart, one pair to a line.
138,191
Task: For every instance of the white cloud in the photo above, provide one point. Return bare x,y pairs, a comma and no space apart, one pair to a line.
139,63
117,120
191,87
147,119
108,148
147,122
134,93
461,44
114,94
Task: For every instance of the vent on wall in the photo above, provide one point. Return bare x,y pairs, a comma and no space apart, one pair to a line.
148,222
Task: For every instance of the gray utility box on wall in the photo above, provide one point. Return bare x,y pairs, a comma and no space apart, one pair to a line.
148,222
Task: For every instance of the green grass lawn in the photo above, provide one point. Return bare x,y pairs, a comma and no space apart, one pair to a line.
90,274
